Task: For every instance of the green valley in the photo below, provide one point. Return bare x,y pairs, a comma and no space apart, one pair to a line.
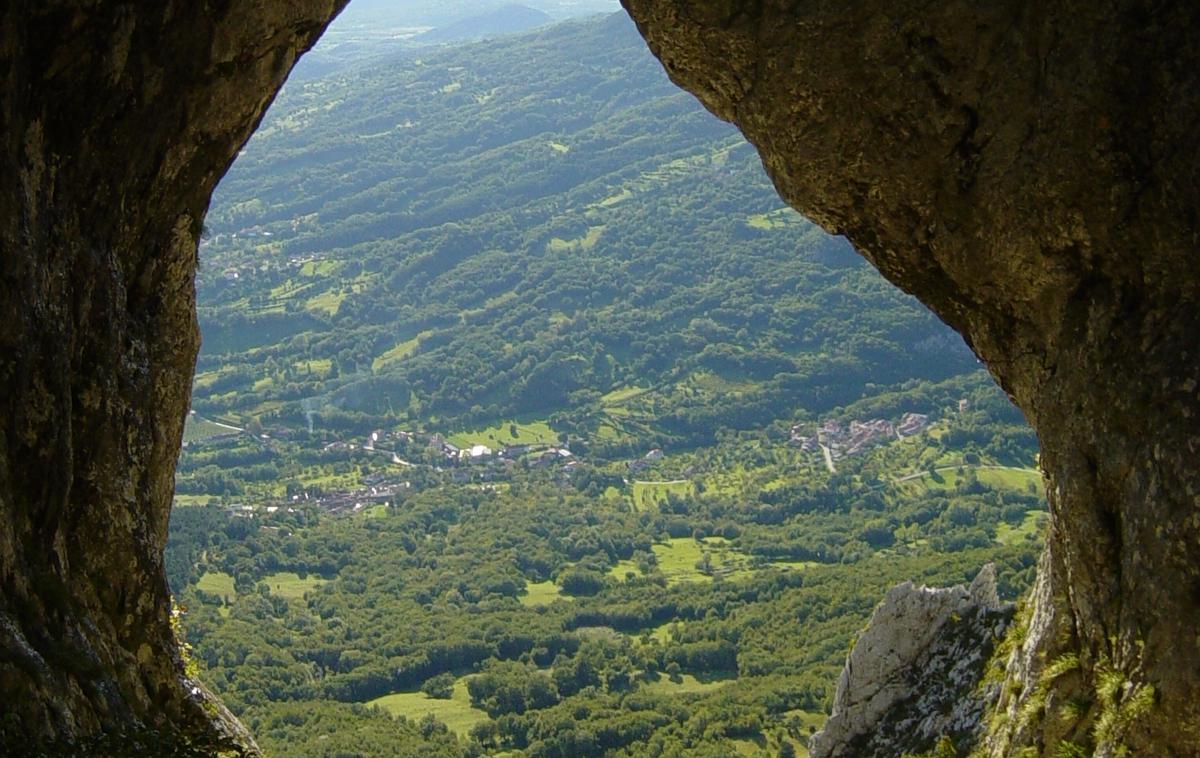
529,422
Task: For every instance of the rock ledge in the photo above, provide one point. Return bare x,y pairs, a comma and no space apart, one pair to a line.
912,676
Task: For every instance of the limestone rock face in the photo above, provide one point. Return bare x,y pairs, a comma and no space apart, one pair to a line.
1030,171
116,121
914,672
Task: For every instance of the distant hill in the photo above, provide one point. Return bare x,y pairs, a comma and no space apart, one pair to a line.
509,19
368,30
520,227
440,13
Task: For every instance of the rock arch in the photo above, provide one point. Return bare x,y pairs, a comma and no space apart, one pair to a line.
1029,170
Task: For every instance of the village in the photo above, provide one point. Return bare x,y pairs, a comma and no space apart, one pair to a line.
417,459
420,459
836,440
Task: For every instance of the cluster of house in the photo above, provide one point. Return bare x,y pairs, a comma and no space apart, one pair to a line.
646,461
534,456
381,492
846,440
234,273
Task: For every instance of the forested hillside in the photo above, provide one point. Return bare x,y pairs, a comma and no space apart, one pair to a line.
517,228
529,422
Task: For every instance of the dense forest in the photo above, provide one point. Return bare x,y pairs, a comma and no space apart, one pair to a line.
529,422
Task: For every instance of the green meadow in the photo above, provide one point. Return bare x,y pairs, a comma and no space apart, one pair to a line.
456,713
501,434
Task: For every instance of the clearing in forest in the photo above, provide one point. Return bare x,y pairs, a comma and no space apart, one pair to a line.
456,713
650,495
506,433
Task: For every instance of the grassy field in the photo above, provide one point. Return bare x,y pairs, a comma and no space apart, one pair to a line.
319,268
649,495
324,477
541,593
748,748
183,501
774,220
1012,478
1030,529
678,559
619,396
317,366
499,435
794,565
612,200
622,423
998,477
456,713
218,583
289,290
738,479
688,685
197,429
399,352
326,302
809,723
622,569
287,584
663,632
584,243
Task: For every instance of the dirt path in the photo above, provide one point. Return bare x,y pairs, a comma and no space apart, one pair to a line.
922,474
828,459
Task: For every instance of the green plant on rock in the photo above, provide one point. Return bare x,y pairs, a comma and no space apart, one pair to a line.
1074,709
1068,749
1063,664
997,716
997,665
1122,703
1033,708
191,668
943,749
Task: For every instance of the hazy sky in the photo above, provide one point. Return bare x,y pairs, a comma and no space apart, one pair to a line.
436,12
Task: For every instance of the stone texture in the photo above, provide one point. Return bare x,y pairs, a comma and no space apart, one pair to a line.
914,673
116,121
1029,171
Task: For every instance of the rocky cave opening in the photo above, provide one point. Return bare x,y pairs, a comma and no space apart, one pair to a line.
1029,171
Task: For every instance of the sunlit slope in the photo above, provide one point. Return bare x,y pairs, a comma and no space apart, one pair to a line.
514,228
